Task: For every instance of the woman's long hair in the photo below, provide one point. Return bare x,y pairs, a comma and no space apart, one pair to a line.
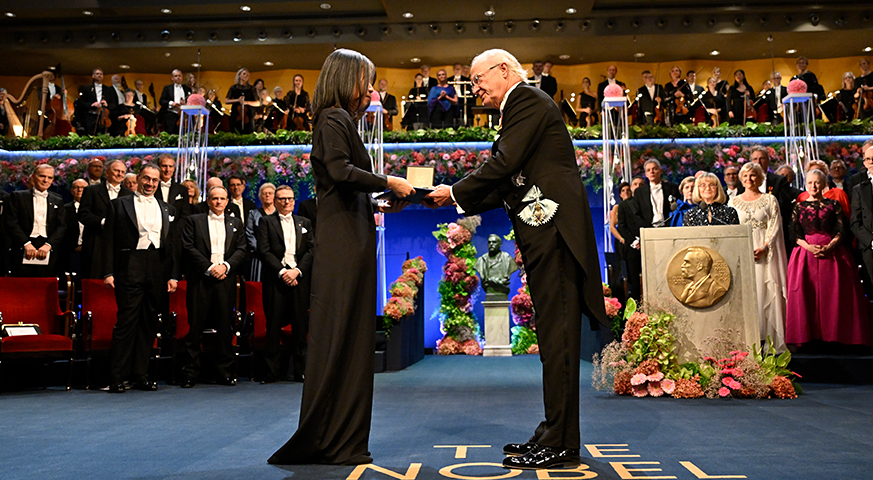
238,73
344,71
745,82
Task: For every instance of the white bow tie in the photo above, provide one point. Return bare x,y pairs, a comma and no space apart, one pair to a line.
286,218
656,187
145,199
167,184
113,188
37,193
213,216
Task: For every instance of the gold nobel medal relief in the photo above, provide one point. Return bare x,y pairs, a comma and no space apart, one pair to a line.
698,277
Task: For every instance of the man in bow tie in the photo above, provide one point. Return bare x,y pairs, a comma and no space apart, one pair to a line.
94,208
214,246
140,264
285,243
36,225
173,96
170,191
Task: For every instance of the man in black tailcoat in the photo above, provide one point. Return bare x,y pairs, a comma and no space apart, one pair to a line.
72,260
173,96
214,246
93,211
170,191
232,208
92,99
36,226
864,173
285,245
654,201
546,83
532,174
140,264
862,221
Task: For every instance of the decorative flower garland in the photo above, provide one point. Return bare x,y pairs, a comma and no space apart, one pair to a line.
456,289
524,333
403,292
644,363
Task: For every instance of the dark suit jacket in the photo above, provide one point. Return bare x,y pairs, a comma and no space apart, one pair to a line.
197,248
248,206
71,239
548,84
178,195
19,220
232,209
308,210
122,235
861,222
94,208
4,235
271,246
534,144
642,200
772,103
646,104
167,97
89,96
857,179
390,104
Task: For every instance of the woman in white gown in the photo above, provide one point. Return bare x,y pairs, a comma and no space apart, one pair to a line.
761,211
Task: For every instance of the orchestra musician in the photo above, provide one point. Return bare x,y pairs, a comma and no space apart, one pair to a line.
4,120
694,101
812,85
775,96
864,88
846,98
299,118
173,97
611,72
720,85
416,104
277,113
678,95
389,102
585,106
242,98
739,99
427,81
544,82
124,116
117,89
216,112
650,97
191,82
442,102
141,99
95,98
263,111
713,102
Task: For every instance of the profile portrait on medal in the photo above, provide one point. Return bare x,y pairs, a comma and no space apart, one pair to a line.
698,277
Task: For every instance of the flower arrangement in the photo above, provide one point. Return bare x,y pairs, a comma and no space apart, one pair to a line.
403,292
460,329
524,334
644,363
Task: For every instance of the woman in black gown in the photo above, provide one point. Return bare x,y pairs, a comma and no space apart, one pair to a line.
585,108
740,98
334,425
241,97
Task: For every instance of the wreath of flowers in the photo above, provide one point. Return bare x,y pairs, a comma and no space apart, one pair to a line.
403,292
457,287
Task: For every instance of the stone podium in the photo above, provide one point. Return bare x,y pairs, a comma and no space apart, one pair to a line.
706,276
497,342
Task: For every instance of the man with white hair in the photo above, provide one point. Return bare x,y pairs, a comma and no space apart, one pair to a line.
36,224
532,174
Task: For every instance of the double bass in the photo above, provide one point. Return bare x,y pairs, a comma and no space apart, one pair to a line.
58,112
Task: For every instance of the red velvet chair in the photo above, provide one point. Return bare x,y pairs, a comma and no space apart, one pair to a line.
256,320
36,301
99,315
179,325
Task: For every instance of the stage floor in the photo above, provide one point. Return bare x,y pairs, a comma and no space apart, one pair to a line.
422,415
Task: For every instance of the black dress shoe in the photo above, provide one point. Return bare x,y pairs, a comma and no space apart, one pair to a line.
269,378
226,381
542,457
518,448
145,385
188,383
116,388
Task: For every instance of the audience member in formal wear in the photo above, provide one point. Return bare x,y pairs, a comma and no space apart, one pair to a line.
170,191
36,224
285,247
193,193
740,100
710,201
231,210
862,221
627,224
546,83
585,108
686,188
825,300
95,208
611,72
267,195
129,181
241,96
839,176
761,211
830,191
237,186
214,246
95,171
731,181
173,97
95,98
4,234
140,265
864,172
427,82
336,407
649,98
72,257
655,200
442,101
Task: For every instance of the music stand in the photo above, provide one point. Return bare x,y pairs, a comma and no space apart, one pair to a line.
567,110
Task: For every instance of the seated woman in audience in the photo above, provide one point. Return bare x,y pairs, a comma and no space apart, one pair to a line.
761,211
266,194
710,199
686,187
586,108
830,190
825,300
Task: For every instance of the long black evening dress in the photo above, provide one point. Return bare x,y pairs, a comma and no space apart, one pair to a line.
334,426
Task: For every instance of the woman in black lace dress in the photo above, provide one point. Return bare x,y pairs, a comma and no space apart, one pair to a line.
711,209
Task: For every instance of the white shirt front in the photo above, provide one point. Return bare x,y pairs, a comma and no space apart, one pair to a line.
657,196
81,225
178,93
98,91
217,237
651,91
165,190
113,190
289,233
148,221
40,212
120,93
239,202
763,187
52,89
731,192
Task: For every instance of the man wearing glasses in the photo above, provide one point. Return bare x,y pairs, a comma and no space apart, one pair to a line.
532,174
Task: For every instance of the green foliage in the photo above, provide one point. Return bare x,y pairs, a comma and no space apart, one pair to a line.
771,364
655,342
522,339
750,129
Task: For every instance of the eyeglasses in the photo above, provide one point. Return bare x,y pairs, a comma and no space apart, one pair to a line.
478,77
285,199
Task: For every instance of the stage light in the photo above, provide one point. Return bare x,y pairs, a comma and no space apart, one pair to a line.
841,21
570,11
435,28
535,25
661,23
87,13
686,21
789,19
490,13
213,36
336,32
124,67
246,8
814,19
485,27
559,25
195,65
460,28
113,36
262,35
325,6
167,54
639,55
268,64
791,51
189,35
763,20
166,11
610,24
712,21
92,38
415,60
362,32
10,14
585,24
565,57
509,26
714,53
867,49
408,15
165,35
237,36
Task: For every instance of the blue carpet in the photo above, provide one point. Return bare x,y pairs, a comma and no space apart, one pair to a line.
213,432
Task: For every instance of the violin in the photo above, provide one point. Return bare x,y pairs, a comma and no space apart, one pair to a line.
131,126
681,102
865,102
748,107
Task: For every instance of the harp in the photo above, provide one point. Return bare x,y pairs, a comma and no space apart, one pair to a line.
25,114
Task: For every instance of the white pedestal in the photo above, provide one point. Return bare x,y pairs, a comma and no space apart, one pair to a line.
496,328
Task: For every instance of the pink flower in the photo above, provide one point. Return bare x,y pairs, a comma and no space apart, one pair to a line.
612,306
668,386
797,86
639,379
724,391
640,390
656,377
730,382
654,389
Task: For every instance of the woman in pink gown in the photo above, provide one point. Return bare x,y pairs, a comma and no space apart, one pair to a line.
825,300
